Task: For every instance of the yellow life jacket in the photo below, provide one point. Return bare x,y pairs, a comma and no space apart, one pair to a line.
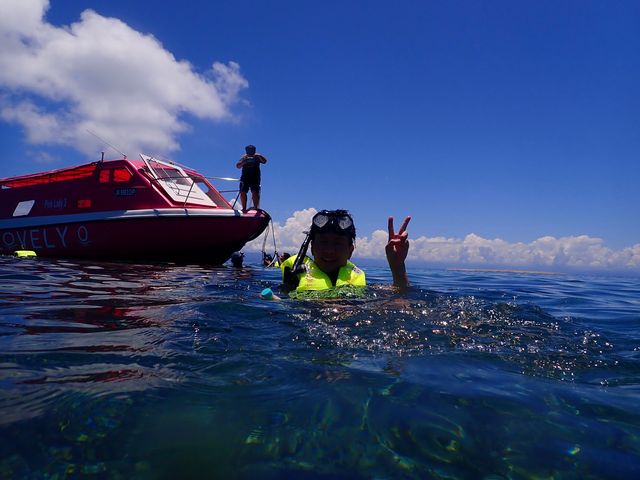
315,279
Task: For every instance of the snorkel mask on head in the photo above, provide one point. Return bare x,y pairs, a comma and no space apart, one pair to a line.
335,221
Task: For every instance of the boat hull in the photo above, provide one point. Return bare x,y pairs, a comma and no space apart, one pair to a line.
173,235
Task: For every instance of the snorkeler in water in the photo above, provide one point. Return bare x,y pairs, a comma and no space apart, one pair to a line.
332,239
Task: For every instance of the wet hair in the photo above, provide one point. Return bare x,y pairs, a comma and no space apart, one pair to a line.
236,259
250,149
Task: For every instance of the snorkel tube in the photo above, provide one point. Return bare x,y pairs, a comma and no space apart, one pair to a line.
290,275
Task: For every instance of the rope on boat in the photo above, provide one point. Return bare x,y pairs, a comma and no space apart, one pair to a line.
233,205
275,256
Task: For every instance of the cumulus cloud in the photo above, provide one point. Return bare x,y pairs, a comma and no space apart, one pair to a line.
546,252
289,236
100,75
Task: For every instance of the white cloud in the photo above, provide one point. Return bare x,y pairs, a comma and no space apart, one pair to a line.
289,236
547,252
99,74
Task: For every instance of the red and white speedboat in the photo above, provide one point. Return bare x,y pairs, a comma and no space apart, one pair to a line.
125,210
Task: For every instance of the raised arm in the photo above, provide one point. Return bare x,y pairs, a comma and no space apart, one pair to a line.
397,249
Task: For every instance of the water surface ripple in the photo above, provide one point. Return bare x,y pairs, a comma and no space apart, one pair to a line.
116,370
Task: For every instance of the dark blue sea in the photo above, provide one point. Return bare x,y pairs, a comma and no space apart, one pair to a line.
127,371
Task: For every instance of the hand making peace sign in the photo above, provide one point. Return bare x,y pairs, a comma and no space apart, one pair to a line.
397,247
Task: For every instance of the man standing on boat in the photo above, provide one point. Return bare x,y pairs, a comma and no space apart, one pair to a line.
250,178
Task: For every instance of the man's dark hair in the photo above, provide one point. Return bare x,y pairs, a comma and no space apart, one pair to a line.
236,259
250,149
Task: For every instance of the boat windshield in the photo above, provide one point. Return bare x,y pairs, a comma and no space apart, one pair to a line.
171,174
209,191
179,186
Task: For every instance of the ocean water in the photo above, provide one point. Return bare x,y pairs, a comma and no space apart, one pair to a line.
119,371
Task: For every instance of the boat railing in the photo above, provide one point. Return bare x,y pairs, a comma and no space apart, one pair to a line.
218,193
188,193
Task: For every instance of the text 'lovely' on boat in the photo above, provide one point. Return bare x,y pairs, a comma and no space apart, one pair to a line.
123,209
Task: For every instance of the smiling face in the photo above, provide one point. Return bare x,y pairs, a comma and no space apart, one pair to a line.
331,251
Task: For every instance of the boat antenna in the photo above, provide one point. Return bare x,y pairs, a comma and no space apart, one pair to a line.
106,143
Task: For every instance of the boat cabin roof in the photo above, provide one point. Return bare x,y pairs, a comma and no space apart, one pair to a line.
61,175
78,172
178,183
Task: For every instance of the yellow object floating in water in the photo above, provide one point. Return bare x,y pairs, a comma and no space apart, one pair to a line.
25,253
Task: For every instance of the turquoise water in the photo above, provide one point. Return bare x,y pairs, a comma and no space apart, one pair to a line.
137,371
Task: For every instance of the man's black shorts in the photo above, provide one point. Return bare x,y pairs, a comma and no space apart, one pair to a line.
250,183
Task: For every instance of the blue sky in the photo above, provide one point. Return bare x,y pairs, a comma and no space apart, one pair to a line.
509,131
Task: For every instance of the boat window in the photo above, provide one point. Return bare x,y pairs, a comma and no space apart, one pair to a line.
23,208
74,173
210,192
177,184
121,175
117,175
171,174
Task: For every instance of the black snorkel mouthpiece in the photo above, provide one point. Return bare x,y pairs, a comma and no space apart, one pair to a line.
290,274
297,265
